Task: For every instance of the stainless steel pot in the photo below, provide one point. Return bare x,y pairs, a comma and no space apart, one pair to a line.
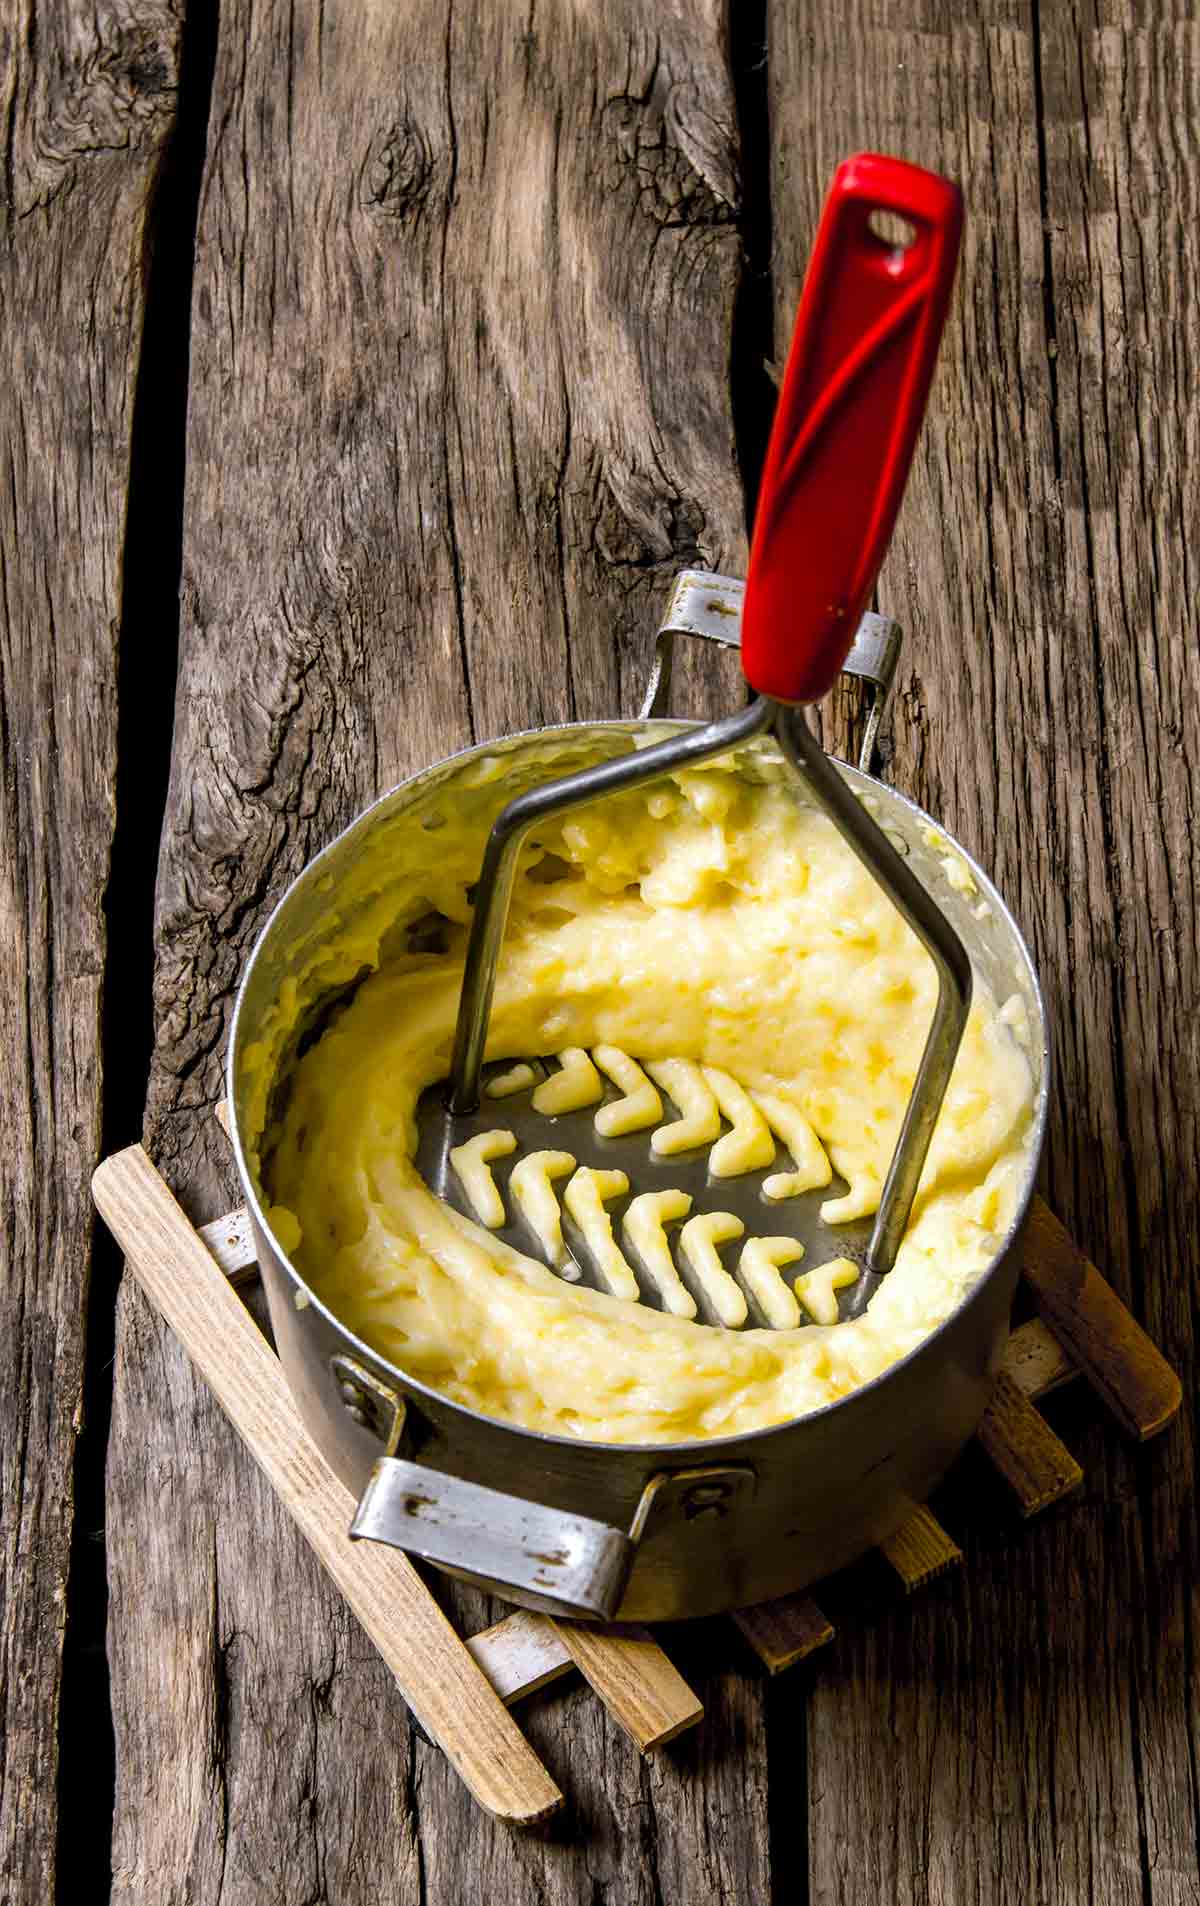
640,1532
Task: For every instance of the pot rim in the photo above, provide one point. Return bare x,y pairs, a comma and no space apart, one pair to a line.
687,1449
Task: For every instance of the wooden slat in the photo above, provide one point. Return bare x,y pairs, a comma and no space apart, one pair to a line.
920,1550
231,1243
1035,1360
783,1632
520,1654
1037,1466
441,1683
525,1651
639,1686
1107,1343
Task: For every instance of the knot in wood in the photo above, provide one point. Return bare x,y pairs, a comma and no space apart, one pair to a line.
398,171
655,533
120,94
130,77
678,157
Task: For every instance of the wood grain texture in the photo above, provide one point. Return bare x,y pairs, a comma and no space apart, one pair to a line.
440,1681
1047,1733
462,345
231,1242
921,1549
1035,1463
638,1684
785,1631
459,407
520,1654
86,103
1106,1344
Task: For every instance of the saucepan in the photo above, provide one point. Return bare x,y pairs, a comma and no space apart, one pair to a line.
635,1532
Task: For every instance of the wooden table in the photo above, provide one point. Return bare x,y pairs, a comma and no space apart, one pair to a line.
375,368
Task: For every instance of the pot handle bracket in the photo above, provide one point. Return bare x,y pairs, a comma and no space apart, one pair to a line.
572,1563
710,606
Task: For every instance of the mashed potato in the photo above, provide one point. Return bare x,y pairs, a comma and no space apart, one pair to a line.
716,919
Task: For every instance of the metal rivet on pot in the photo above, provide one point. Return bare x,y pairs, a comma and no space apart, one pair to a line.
706,1499
356,1408
368,1402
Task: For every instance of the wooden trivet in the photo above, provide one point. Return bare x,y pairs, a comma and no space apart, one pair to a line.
460,1688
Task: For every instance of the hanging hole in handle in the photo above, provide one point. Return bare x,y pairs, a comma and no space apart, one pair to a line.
892,231
895,240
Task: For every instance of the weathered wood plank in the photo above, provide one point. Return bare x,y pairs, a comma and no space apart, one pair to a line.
1036,1464
86,102
1121,88
1042,572
459,408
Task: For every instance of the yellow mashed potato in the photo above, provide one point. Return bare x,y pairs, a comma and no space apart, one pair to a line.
712,918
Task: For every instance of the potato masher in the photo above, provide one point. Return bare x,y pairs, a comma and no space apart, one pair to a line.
859,370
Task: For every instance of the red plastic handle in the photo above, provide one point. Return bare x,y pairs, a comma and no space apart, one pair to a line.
858,376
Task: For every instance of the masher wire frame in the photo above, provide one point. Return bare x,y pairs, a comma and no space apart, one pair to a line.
867,840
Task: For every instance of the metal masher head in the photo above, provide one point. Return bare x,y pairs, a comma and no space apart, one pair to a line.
854,392
612,1212
489,1130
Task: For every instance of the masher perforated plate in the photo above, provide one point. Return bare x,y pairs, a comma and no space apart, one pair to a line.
574,1132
